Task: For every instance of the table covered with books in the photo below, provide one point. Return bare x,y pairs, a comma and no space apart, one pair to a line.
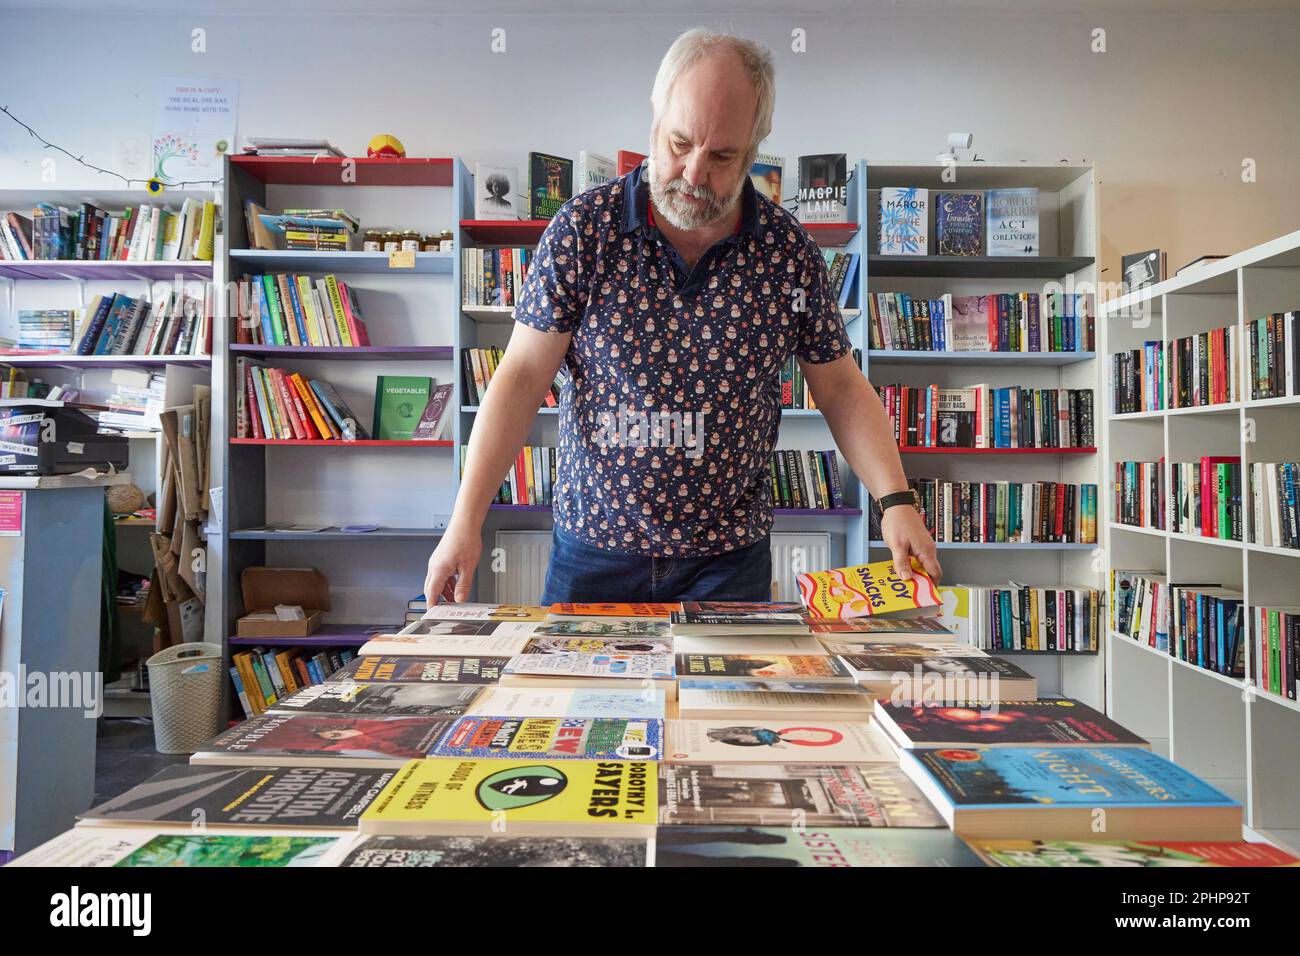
862,726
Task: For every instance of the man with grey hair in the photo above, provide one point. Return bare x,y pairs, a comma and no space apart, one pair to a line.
675,295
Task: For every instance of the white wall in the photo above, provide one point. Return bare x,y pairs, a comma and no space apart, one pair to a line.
1168,112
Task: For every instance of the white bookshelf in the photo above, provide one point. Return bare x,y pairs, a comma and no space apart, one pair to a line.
40,284
1069,250
1227,730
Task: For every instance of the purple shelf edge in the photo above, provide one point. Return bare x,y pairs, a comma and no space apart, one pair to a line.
433,351
777,511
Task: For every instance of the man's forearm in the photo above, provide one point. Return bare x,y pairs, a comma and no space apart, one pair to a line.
502,424
863,433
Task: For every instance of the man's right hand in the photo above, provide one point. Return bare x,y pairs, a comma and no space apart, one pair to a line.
452,564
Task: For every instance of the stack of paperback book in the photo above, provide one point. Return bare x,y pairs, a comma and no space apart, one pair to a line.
691,734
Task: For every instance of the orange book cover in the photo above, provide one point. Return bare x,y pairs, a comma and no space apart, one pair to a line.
309,403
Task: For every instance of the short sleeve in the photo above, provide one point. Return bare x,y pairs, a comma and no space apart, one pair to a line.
822,336
553,296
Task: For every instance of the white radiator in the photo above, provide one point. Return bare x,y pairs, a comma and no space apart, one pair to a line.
794,553
518,565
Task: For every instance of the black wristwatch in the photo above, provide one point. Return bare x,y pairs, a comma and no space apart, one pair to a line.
907,497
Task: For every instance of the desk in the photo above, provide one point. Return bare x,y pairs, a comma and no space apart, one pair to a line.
49,638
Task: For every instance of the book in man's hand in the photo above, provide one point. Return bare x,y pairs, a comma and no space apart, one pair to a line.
867,590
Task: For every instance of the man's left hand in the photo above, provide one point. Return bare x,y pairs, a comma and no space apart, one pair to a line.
906,537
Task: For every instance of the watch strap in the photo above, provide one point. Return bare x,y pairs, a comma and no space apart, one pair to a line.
898,498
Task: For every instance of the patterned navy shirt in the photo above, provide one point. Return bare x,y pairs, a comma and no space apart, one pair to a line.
672,407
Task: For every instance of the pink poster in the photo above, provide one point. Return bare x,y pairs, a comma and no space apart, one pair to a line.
11,512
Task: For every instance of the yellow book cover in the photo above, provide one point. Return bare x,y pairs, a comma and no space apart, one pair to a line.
518,797
303,284
867,590
207,229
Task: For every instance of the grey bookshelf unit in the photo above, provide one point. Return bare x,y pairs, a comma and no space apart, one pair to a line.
405,488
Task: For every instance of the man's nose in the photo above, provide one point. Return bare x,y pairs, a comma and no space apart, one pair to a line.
695,171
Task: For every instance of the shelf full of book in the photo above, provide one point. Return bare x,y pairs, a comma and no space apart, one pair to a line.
984,356
1201,523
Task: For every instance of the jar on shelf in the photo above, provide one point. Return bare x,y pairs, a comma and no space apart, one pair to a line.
445,241
410,241
392,241
373,240
430,243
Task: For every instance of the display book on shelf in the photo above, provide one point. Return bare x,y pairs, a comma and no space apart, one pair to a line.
394,765
1212,589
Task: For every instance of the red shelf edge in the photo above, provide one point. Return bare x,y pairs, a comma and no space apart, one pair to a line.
417,171
925,450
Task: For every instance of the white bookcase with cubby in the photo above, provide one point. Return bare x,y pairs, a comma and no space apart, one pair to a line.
1214,691
32,281
1064,264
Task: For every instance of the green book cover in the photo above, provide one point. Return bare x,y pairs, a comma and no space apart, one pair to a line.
273,303
399,401
206,850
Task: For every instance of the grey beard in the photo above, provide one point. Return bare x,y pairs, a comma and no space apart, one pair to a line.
667,204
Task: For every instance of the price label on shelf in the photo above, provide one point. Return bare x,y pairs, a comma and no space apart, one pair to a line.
402,260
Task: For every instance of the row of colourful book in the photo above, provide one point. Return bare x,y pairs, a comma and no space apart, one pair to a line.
998,322
279,404
979,416
420,753
87,233
175,322
297,310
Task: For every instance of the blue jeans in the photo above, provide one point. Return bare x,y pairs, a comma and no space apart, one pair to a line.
580,572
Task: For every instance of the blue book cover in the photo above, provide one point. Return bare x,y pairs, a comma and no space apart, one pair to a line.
264,312
299,322
116,315
975,778
959,224
904,221
552,738
91,336
850,273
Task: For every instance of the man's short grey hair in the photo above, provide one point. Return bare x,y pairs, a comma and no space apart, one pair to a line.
693,46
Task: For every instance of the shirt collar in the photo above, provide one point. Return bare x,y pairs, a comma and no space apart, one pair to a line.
637,213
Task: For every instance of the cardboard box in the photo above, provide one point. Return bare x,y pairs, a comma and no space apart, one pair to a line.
263,588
